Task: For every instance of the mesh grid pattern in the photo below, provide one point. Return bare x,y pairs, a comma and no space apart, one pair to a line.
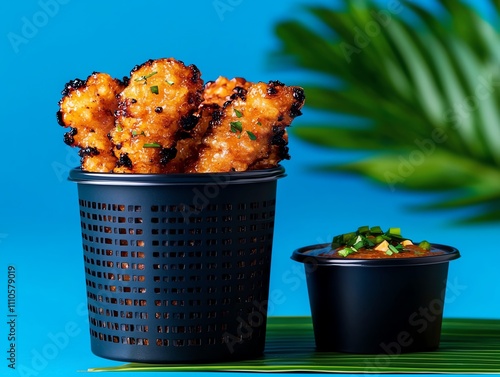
179,282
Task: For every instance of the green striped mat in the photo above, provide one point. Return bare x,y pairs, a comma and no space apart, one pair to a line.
468,346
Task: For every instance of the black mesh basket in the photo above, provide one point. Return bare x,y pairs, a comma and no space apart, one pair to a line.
177,266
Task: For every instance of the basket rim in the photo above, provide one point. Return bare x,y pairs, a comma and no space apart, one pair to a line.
175,179
299,255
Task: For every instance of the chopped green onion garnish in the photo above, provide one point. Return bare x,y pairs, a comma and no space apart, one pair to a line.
119,128
348,236
154,89
337,241
369,241
371,238
151,145
238,113
169,82
394,231
424,245
346,251
236,126
393,249
358,245
251,135
145,77
259,124
363,229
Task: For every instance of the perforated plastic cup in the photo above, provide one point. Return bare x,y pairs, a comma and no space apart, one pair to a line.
177,266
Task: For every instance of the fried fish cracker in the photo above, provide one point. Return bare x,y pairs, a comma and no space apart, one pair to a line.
88,107
158,104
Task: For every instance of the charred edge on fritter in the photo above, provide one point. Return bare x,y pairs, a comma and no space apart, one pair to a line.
295,110
217,116
124,81
299,96
283,152
239,92
189,122
279,141
196,73
89,151
272,87
276,83
125,161
139,66
68,137
72,85
278,138
215,113
59,116
167,155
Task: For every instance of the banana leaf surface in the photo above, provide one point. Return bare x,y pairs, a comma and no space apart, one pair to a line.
468,346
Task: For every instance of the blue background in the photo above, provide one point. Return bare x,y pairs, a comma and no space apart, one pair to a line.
39,224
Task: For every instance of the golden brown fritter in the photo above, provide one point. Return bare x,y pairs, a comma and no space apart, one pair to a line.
215,94
221,90
157,106
250,128
88,108
189,143
162,119
278,152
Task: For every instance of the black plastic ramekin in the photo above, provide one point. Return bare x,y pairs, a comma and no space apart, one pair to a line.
374,306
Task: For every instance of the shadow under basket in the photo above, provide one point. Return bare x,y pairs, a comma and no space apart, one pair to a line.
177,266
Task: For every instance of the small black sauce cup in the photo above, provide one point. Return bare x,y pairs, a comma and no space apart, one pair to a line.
374,306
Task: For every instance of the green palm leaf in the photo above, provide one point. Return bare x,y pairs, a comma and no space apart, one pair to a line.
424,84
467,346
